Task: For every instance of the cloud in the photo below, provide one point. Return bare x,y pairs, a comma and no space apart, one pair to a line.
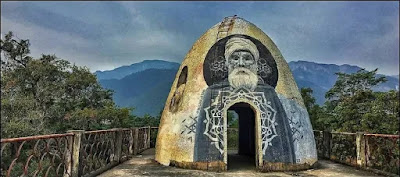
44,41
105,35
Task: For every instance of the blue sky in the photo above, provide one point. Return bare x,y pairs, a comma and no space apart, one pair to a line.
105,35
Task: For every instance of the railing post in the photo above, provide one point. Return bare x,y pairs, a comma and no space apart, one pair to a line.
327,137
148,138
68,156
76,149
136,141
360,142
118,145
131,141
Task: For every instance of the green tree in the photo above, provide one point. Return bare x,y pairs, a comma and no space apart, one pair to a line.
383,114
49,95
352,105
348,85
146,120
15,53
318,114
233,121
309,100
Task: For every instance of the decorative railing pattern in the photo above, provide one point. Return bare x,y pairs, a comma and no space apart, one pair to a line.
98,150
80,153
46,155
74,154
343,148
382,152
143,138
153,136
319,141
377,152
127,144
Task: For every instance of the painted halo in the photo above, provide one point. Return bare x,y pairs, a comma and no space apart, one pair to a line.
215,69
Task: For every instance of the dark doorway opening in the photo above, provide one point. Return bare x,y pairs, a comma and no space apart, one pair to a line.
242,155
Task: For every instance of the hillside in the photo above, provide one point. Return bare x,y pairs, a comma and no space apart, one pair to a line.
121,72
321,77
146,90
147,86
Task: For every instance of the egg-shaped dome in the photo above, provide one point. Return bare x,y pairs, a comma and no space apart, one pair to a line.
234,66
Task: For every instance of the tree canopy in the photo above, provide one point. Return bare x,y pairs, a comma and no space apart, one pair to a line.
353,106
51,95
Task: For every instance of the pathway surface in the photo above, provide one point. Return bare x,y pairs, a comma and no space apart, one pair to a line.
144,165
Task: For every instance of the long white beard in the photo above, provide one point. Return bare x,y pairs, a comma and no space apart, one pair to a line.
243,78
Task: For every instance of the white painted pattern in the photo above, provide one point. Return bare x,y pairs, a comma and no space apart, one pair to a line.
214,116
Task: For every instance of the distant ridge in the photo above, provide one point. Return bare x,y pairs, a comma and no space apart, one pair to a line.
146,85
321,77
120,72
144,89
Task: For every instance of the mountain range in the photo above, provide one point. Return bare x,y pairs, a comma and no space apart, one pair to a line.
146,85
121,72
321,77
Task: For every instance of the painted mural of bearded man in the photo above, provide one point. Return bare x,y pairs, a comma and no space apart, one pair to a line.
241,59
241,78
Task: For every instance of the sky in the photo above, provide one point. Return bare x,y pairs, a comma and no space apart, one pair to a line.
106,35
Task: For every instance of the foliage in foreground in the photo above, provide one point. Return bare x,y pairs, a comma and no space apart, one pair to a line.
50,95
352,106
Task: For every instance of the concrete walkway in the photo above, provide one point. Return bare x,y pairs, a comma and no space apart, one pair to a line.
144,165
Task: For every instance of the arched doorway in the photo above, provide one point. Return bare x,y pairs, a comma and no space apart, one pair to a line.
241,128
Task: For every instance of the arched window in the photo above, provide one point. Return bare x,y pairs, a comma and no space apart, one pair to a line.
180,88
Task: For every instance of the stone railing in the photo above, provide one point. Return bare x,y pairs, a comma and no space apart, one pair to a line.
153,136
375,152
45,155
76,153
89,153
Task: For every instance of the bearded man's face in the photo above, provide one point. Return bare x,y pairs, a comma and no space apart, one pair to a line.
242,70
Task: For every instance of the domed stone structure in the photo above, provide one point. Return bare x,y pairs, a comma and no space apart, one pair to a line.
235,66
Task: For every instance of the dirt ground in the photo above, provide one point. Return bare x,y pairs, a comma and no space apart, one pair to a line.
144,165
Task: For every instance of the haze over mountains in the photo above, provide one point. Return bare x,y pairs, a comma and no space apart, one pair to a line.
146,85
120,72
